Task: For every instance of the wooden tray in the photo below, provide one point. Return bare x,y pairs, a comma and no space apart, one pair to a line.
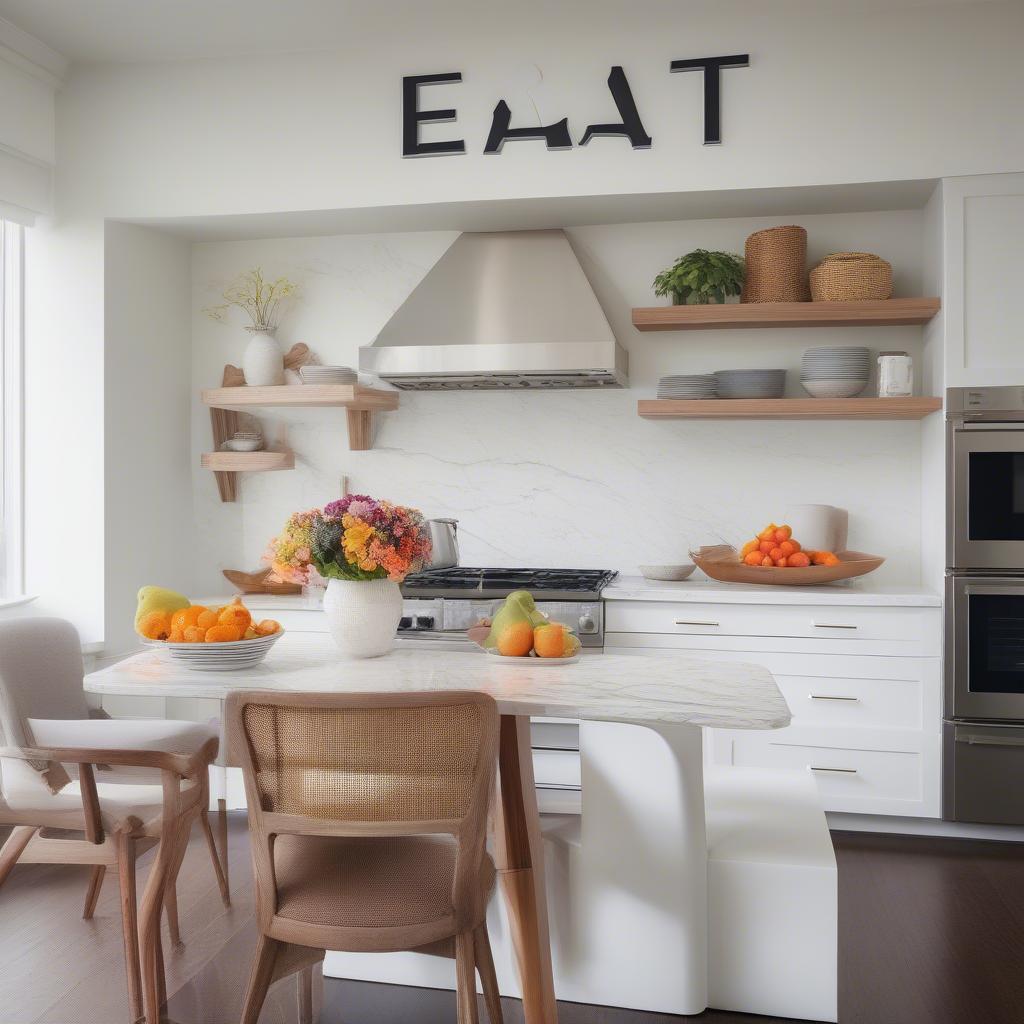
722,563
258,582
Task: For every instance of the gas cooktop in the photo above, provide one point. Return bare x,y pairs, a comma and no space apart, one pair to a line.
462,582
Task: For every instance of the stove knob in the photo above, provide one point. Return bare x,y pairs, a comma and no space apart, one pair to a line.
424,621
404,622
587,624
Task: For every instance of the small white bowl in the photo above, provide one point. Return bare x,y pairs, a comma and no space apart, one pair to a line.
667,573
243,444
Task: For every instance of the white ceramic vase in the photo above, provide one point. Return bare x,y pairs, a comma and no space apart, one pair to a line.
363,616
263,361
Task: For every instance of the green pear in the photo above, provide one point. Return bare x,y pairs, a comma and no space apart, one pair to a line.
519,606
158,599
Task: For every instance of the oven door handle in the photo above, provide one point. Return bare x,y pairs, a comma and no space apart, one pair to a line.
991,741
976,425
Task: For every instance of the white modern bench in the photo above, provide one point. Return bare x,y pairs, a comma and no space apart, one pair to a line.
772,895
772,901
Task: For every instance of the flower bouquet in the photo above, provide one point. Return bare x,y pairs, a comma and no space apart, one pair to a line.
364,548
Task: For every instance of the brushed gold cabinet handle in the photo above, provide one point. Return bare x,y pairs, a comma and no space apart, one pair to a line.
829,696
694,622
822,768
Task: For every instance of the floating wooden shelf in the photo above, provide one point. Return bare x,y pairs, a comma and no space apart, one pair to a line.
227,465
247,462
789,408
868,313
358,402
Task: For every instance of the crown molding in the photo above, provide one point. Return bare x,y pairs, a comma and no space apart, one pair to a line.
32,55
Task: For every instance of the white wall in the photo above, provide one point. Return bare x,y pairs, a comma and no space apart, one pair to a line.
148,531
564,478
835,93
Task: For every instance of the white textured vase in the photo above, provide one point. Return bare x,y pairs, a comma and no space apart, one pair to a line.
363,616
263,361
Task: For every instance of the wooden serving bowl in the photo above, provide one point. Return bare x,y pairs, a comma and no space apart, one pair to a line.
722,562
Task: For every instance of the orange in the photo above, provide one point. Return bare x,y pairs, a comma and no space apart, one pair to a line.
549,640
781,563
766,561
223,634
776,553
789,547
783,533
237,615
768,533
208,617
185,617
751,545
267,626
250,634
194,635
176,637
765,546
155,626
753,558
799,560
516,640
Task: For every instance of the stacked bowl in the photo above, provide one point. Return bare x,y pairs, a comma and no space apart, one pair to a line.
687,386
327,375
835,372
750,383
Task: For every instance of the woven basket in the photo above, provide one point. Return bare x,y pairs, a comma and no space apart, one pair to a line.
848,276
776,266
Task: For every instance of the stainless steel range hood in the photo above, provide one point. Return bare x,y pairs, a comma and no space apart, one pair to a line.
500,310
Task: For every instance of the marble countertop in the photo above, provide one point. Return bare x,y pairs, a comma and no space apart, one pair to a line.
700,589
645,689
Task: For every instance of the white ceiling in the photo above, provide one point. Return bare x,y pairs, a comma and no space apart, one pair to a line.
151,30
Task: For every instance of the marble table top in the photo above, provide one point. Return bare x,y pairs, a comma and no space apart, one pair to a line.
649,688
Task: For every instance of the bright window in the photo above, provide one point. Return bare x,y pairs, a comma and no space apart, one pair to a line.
12,248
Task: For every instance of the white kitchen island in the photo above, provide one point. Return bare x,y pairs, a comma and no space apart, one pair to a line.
643,821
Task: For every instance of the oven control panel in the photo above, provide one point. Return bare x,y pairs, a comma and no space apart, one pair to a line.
445,616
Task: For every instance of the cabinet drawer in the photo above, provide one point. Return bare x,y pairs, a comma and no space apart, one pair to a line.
843,701
765,620
556,769
849,778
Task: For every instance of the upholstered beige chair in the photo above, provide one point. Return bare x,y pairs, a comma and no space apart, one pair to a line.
368,817
125,785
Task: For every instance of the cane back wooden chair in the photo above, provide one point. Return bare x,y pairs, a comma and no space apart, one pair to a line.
368,819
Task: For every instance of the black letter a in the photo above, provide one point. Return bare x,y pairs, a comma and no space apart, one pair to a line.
631,126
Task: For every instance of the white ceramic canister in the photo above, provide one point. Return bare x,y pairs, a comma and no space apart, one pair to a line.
818,527
895,375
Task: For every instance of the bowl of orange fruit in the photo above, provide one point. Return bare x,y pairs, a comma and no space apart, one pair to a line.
774,556
205,638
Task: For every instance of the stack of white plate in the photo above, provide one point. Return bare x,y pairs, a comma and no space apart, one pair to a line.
687,386
223,657
841,372
750,383
327,375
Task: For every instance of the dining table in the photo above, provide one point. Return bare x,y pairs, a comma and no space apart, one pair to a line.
641,720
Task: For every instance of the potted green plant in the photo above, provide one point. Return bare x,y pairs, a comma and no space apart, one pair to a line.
701,277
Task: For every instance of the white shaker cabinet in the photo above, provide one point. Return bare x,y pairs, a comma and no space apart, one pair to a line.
863,684
983,266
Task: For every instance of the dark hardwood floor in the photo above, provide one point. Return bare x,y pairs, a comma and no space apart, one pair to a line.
931,931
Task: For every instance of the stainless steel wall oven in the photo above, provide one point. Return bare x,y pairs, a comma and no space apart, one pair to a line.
983,732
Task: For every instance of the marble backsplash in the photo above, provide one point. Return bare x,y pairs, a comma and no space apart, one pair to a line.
570,478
